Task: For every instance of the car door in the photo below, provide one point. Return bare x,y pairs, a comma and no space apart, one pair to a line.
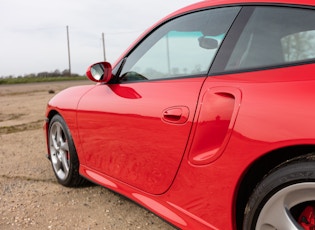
136,129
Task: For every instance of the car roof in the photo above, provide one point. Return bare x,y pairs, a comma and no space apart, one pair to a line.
217,3
212,3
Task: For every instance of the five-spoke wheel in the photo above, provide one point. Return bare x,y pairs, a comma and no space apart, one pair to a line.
59,151
63,155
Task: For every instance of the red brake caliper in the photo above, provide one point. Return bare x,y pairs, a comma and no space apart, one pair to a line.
307,218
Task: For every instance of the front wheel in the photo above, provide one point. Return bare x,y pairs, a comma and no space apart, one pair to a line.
284,199
63,155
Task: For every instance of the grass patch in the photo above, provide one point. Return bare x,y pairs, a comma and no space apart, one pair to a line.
23,80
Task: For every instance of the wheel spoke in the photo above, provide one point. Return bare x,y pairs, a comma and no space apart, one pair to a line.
276,212
280,218
64,162
58,133
56,163
54,139
64,146
60,173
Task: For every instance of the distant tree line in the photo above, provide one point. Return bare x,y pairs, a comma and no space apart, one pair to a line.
56,73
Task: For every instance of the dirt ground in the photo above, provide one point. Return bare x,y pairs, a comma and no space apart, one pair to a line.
30,197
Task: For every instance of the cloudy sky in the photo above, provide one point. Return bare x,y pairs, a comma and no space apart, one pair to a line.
34,39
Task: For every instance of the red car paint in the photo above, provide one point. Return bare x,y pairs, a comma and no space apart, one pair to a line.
182,147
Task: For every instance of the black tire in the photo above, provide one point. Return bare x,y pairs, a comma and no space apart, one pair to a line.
63,155
280,198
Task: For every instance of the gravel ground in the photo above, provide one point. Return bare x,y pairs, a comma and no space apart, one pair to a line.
30,197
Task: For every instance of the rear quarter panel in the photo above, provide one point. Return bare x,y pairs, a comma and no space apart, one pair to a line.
276,110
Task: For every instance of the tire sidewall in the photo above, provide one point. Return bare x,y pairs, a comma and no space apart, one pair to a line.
282,176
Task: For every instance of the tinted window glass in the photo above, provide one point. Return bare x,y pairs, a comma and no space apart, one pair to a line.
275,36
182,47
299,46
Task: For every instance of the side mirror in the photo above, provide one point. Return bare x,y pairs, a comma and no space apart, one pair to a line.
208,43
100,72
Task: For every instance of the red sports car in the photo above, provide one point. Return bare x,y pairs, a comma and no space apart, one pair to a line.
207,119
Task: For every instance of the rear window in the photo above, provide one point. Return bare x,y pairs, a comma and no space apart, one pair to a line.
275,36
299,46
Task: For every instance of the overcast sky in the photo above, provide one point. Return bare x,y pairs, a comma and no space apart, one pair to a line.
34,39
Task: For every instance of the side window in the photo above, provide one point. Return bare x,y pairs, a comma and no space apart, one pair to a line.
275,36
184,46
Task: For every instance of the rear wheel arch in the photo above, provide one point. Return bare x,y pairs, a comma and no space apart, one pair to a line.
261,167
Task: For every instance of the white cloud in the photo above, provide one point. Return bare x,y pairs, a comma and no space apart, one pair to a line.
33,32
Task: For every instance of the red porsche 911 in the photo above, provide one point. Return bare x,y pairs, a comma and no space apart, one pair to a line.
207,120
